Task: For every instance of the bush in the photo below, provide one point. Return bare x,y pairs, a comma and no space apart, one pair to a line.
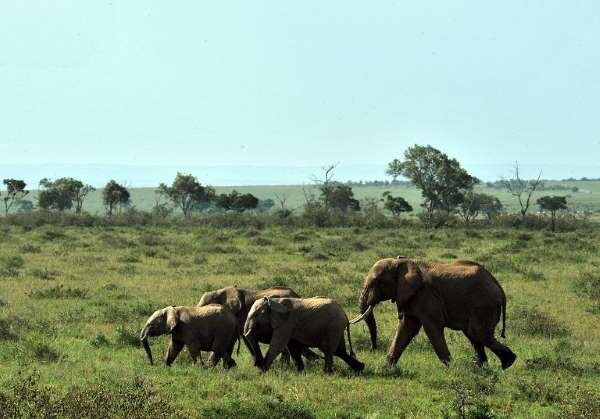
43,352
532,322
7,331
127,337
11,265
99,340
30,248
44,274
59,291
259,407
25,397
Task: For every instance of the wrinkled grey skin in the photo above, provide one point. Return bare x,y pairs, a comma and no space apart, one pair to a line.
293,322
210,328
239,301
461,295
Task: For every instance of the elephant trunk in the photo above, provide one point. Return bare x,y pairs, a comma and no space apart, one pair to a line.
369,318
146,345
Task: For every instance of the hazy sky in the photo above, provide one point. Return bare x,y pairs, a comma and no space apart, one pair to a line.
310,82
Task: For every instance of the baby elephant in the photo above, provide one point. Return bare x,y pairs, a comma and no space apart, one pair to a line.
209,328
298,322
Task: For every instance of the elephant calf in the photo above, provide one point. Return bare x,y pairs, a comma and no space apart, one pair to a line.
297,322
209,328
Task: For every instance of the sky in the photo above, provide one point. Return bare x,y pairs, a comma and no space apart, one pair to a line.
272,83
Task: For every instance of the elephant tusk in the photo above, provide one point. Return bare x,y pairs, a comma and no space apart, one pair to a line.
362,316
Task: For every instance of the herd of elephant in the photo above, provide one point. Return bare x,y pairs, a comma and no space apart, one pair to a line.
461,295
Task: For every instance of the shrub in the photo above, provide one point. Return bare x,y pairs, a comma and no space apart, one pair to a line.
30,248
126,336
7,330
59,291
43,352
99,340
11,265
545,390
25,397
44,274
532,322
258,407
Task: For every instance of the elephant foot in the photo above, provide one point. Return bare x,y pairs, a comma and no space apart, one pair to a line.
391,361
508,360
359,367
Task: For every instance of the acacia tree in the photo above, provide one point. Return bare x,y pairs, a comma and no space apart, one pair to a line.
186,192
235,201
442,180
521,189
552,204
395,204
114,196
15,191
61,193
490,205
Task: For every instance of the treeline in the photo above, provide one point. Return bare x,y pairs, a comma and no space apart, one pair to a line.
447,191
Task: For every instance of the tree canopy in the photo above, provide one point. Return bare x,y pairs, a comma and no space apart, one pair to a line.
442,180
186,192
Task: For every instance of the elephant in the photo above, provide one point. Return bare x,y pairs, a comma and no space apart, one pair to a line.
292,322
239,301
461,295
209,328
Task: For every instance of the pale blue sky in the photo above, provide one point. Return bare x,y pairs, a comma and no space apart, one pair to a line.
303,83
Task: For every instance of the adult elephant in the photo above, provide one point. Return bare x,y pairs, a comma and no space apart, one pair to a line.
461,295
239,301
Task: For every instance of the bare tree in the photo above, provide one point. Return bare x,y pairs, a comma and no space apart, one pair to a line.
282,200
521,189
325,183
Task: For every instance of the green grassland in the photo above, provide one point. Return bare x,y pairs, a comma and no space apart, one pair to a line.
72,302
587,198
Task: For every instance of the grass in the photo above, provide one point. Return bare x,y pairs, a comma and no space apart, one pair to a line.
72,308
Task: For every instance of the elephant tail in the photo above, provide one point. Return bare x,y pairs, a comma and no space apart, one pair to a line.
349,339
239,339
503,334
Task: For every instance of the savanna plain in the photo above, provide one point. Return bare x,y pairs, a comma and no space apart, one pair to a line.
73,300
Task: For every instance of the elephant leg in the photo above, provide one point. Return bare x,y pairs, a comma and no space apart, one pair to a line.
481,328
435,333
296,353
285,356
309,354
228,361
503,352
195,354
175,346
328,363
479,350
279,342
408,328
354,363
254,349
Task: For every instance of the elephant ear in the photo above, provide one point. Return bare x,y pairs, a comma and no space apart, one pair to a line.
278,312
409,281
172,318
234,300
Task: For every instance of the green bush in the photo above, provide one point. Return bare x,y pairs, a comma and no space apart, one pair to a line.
25,397
532,322
59,291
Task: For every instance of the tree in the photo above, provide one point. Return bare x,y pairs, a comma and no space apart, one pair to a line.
81,192
186,192
235,201
325,184
552,204
340,197
61,193
490,206
521,189
395,204
114,196
442,180
15,191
